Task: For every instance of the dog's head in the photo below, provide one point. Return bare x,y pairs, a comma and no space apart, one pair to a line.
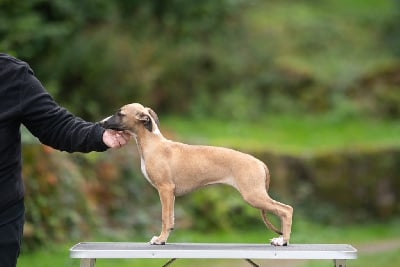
132,118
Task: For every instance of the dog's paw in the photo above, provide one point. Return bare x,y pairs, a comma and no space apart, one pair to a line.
278,241
156,241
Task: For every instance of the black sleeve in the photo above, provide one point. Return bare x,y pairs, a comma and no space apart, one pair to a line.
54,125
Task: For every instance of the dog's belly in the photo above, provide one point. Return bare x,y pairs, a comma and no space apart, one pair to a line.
228,180
183,187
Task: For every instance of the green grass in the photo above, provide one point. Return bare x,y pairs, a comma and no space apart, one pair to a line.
287,134
303,232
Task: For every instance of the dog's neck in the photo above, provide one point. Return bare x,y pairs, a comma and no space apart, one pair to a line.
145,138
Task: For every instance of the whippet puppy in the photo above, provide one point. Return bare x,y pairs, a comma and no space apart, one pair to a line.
175,169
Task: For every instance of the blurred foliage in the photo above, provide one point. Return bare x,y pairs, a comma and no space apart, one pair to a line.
250,57
55,209
227,59
72,196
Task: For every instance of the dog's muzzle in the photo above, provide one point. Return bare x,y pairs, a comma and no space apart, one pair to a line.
109,123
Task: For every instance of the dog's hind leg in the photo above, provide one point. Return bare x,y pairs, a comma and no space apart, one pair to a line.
286,223
263,202
167,198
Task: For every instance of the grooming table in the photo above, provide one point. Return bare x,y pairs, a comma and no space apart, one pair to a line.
88,252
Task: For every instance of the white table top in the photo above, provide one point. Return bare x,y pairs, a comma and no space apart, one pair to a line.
97,250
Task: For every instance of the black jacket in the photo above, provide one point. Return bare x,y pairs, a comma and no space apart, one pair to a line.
23,100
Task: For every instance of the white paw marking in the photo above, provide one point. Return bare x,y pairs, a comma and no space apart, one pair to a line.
156,241
278,241
153,241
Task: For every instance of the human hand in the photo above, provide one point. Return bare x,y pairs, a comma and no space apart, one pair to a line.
115,139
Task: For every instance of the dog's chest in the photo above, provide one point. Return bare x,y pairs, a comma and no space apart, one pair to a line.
143,168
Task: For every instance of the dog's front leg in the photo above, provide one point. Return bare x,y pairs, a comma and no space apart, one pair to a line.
167,198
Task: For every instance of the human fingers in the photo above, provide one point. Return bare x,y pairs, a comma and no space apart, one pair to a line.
113,139
126,136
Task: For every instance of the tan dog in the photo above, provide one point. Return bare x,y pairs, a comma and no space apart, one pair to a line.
175,169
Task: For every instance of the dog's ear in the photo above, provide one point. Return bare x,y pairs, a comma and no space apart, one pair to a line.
147,123
154,116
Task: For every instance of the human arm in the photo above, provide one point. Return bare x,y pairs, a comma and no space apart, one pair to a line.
55,126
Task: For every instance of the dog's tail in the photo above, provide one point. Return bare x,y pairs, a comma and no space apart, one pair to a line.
268,223
264,212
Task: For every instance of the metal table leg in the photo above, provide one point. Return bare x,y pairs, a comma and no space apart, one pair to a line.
340,263
88,262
